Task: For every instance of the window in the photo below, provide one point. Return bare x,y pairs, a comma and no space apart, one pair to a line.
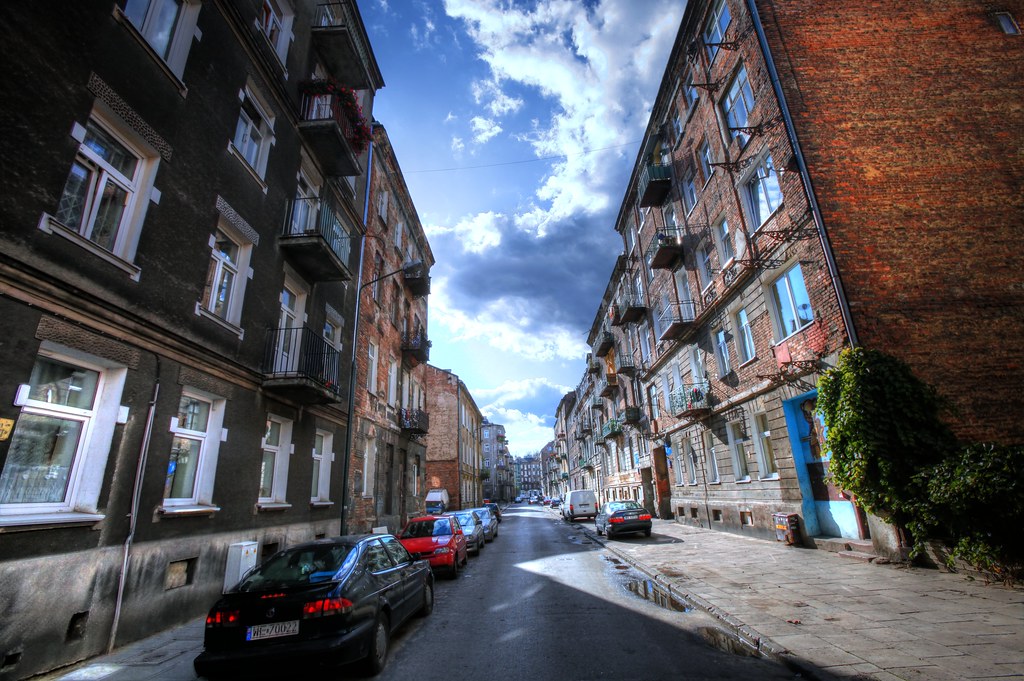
792,304
371,368
739,456
227,274
677,125
709,448
763,443
393,382
378,272
254,133
715,28
399,229
652,399
275,21
689,191
763,193
58,451
102,203
305,208
722,352
1007,23
693,466
704,271
745,342
382,206
690,94
167,26
723,239
737,105
705,160
323,455
274,463
369,467
670,217
196,436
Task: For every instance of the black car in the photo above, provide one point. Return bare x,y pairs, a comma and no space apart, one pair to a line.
622,517
330,601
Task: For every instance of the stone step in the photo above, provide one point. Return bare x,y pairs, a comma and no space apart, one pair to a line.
858,555
833,544
864,545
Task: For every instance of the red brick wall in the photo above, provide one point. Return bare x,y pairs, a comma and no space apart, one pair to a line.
911,118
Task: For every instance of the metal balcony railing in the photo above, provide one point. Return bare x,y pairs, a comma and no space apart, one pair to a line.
676,319
665,248
300,362
654,184
414,421
690,399
611,427
341,45
314,236
416,345
605,342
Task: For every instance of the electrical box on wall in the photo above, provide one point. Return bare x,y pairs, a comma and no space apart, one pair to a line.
241,559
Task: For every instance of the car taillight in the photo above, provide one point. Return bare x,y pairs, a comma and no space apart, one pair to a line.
326,607
616,519
571,507
645,516
223,618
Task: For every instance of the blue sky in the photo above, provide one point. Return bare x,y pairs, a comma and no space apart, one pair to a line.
516,125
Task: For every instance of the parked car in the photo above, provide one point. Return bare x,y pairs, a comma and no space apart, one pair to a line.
489,522
579,503
494,509
622,517
438,539
546,501
556,502
332,601
472,529
519,500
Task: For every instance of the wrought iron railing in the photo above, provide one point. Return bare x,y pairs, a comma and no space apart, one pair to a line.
611,427
299,352
690,397
316,216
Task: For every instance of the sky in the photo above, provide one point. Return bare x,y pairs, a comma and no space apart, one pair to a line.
516,125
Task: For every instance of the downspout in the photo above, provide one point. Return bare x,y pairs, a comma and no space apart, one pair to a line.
343,530
134,514
458,437
819,224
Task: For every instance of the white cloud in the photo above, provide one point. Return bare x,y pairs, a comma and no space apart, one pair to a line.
450,118
489,93
457,145
510,391
476,233
526,433
484,129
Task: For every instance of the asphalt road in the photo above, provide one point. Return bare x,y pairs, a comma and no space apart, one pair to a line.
543,602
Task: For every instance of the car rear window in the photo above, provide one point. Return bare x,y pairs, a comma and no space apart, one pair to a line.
426,528
300,566
623,506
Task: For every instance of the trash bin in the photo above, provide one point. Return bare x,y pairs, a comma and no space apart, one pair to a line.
787,527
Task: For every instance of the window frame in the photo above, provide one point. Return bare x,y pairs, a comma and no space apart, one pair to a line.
721,344
755,176
210,439
713,31
764,448
738,90
778,321
282,451
371,369
723,242
688,191
369,467
705,159
174,56
322,458
714,476
242,274
284,13
736,448
745,345
705,276
257,166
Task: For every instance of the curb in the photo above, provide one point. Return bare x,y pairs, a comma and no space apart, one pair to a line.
760,645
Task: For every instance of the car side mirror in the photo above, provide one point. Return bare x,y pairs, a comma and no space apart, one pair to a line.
458,532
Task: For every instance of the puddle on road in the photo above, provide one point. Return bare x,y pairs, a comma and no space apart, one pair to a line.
647,590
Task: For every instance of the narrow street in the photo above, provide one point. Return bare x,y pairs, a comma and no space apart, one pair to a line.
542,602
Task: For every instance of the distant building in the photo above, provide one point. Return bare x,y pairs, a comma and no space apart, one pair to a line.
530,472
454,455
498,485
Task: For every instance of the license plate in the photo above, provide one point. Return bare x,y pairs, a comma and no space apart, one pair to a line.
631,516
272,630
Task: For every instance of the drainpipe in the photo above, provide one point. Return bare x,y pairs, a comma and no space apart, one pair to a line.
458,437
134,514
819,224
343,530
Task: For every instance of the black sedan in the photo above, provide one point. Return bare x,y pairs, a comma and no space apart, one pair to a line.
622,517
331,601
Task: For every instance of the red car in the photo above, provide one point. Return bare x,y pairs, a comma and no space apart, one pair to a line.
438,539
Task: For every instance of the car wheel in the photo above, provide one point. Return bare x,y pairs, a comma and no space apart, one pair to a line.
454,572
647,533
599,530
379,640
609,532
428,599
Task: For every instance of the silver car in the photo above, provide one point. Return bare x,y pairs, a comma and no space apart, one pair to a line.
489,521
473,528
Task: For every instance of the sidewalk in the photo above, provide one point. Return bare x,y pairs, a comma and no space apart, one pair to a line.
832,617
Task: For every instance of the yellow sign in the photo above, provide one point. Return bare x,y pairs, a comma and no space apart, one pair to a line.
6,426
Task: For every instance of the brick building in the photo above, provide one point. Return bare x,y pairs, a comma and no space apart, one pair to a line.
387,457
454,454
808,181
178,240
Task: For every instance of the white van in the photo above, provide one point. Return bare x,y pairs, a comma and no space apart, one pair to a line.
579,503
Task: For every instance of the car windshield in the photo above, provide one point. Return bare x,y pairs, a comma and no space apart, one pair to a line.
466,520
623,506
427,528
484,513
300,566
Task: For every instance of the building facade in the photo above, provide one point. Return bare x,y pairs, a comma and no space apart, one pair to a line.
498,481
180,238
387,456
454,451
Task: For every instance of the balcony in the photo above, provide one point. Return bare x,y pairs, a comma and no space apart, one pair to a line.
339,42
417,279
609,385
594,365
676,319
629,309
585,426
587,463
416,346
690,399
565,476
300,364
611,428
624,364
605,342
560,435
596,402
415,421
654,184
329,131
315,240
665,248
633,415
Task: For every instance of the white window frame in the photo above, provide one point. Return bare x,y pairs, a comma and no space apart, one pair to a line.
690,94
320,483
714,477
739,460
144,17
703,256
692,464
723,242
767,463
782,295
688,191
253,116
705,159
279,15
744,336
399,234
714,31
371,369
209,450
393,383
738,94
761,208
369,467
219,264
85,477
722,352
282,451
